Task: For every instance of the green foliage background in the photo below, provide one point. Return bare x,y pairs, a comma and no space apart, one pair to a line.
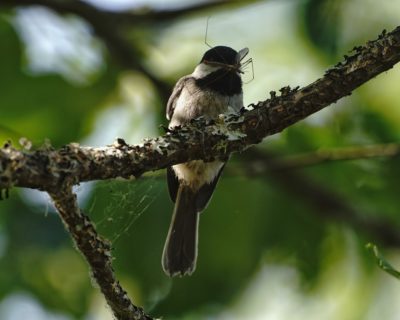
265,253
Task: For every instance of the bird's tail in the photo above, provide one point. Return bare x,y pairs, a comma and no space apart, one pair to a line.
180,250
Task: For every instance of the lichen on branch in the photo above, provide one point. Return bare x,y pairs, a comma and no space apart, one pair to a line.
97,252
46,168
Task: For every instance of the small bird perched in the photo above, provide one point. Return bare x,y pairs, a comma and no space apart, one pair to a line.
214,88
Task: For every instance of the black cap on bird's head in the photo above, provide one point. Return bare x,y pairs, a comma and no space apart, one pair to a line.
224,57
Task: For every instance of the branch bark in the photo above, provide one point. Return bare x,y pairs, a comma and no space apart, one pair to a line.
97,252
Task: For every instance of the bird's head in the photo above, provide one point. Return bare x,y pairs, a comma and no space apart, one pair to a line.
220,57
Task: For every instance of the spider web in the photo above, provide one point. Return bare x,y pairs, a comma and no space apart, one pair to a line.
117,205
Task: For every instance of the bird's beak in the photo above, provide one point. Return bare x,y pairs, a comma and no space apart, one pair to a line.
241,54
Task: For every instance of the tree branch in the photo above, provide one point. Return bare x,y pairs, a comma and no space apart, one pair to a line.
46,168
97,252
327,203
337,154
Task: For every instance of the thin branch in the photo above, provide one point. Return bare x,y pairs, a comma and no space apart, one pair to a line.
97,252
337,154
45,168
326,203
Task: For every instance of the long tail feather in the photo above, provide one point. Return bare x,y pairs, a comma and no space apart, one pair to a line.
180,250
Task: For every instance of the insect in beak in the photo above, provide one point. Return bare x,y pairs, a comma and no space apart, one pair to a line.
237,67
241,54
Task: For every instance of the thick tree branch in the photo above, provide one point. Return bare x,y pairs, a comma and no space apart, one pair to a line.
46,168
97,252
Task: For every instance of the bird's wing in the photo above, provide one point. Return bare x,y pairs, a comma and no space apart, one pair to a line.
204,194
173,183
174,96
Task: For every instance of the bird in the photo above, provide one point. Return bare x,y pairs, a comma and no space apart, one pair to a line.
213,88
